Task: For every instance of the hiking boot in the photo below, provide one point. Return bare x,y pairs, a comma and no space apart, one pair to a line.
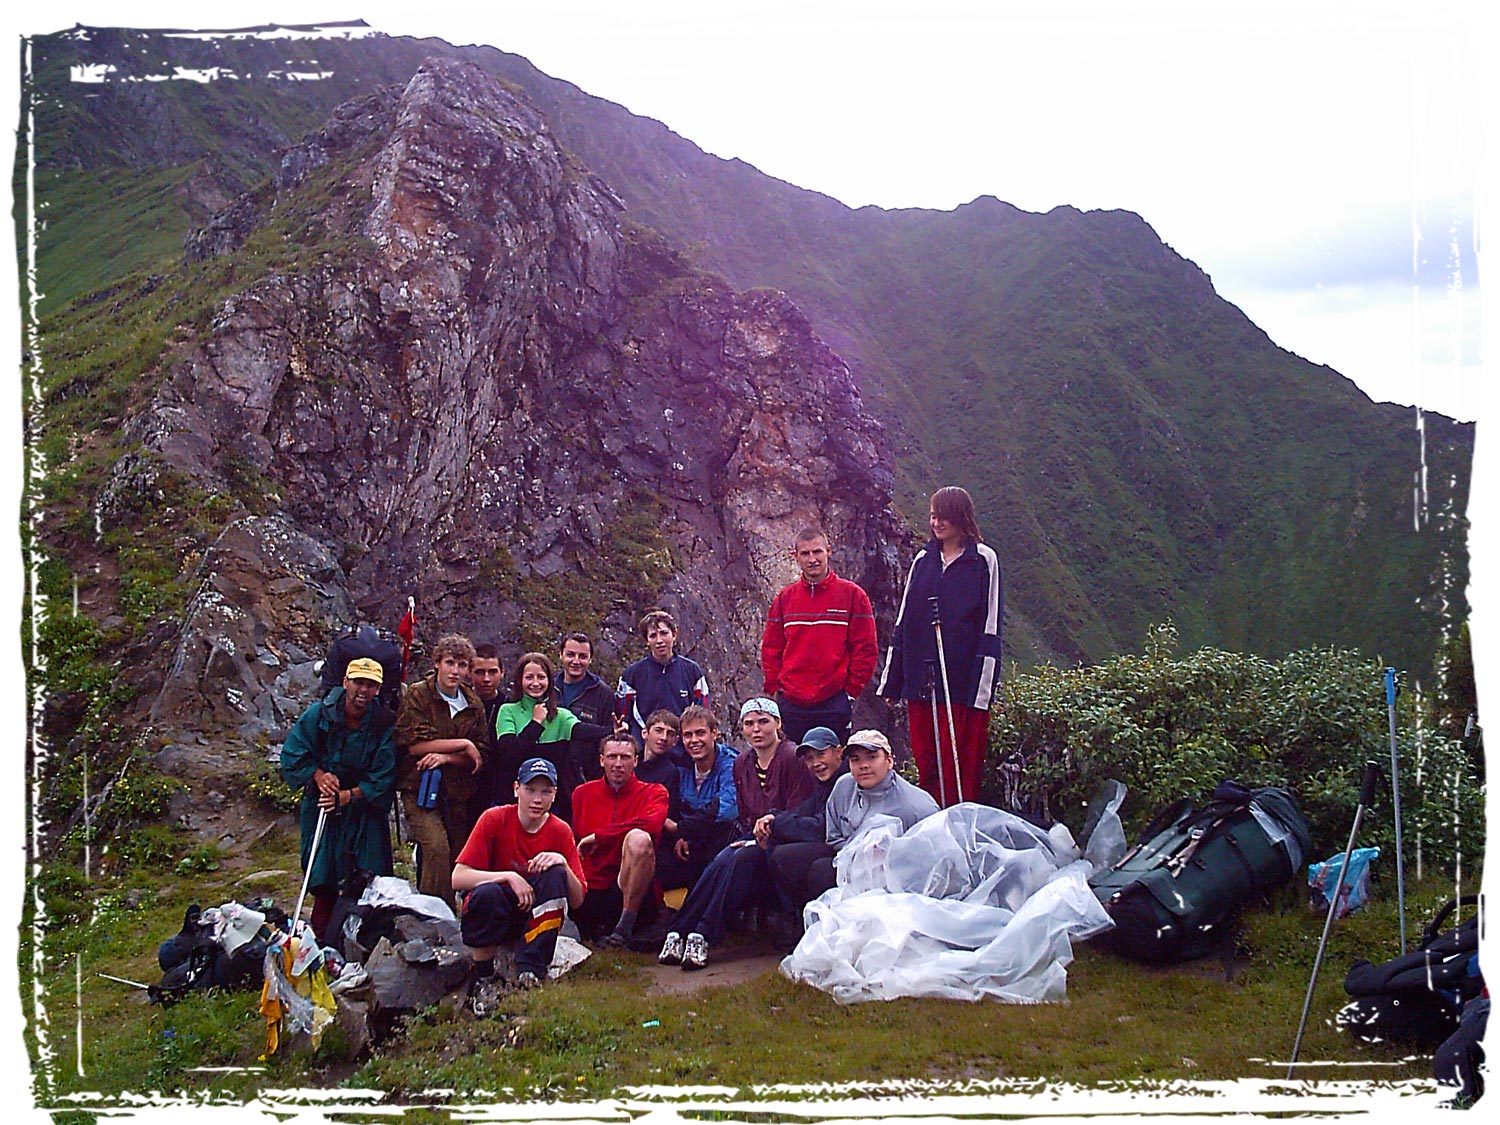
484,996
671,950
527,979
695,952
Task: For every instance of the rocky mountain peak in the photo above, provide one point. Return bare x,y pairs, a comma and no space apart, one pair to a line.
488,389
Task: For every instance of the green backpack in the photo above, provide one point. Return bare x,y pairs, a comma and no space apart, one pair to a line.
1194,869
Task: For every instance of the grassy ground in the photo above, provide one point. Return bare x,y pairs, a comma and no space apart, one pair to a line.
599,1029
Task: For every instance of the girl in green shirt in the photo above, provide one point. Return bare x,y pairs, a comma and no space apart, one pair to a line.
532,725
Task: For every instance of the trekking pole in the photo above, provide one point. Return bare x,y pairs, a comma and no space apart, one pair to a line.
1366,795
937,629
1390,706
937,739
312,856
123,980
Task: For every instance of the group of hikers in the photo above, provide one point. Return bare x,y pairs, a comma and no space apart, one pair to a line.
561,798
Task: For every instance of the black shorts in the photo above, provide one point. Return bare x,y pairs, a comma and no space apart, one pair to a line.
601,907
599,911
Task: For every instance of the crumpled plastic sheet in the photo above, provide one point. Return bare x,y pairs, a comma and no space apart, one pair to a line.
350,978
1354,888
298,1012
969,902
391,890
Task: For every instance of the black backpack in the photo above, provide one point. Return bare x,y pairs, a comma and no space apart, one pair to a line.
192,961
1417,998
381,646
1173,894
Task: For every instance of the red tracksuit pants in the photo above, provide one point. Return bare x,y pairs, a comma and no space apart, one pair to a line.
971,726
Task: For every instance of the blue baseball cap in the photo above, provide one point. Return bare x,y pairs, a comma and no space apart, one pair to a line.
760,703
819,738
533,768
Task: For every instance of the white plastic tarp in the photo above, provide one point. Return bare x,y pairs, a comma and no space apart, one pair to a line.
969,902
390,890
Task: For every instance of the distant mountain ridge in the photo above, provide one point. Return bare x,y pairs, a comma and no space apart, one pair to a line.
1137,447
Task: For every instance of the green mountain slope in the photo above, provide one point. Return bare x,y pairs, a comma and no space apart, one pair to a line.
1137,448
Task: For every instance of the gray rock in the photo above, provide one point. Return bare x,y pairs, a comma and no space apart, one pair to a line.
352,1016
417,952
400,986
435,931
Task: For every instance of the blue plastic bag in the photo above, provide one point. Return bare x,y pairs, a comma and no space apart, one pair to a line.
1355,888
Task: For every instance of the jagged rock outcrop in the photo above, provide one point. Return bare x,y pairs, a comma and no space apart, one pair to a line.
260,618
484,385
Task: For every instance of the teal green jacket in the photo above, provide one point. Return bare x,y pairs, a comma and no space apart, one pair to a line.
358,835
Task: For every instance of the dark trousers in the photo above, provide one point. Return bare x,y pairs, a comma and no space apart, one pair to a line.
837,714
493,916
801,872
703,845
727,883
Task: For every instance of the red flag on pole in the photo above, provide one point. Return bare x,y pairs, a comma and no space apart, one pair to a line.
406,629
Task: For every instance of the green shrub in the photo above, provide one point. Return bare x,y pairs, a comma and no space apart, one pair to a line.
141,794
152,847
1170,726
201,859
266,785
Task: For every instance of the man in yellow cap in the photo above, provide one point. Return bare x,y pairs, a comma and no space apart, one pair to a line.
340,753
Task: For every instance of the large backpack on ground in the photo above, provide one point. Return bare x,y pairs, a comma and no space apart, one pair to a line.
1419,997
192,961
1173,894
381,646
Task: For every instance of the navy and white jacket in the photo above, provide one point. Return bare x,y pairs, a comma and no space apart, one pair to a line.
971,600
671,686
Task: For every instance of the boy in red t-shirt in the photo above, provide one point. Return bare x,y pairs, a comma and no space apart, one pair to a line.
518,868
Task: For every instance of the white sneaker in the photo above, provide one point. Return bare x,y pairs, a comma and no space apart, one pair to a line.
695,952
671,950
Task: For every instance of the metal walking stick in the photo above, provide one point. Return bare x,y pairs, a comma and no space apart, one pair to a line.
937,629
937,739
1390,706
1366,795
312,855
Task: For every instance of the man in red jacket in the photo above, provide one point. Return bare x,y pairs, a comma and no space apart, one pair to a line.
818,651
617,819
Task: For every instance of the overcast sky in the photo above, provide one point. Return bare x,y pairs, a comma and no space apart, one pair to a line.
1318,159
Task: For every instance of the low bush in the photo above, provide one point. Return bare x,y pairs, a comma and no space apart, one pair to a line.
1170,726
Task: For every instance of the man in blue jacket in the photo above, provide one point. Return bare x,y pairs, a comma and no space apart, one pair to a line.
704,808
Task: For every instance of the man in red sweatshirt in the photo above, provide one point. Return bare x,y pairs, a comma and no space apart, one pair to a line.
818,650
617,819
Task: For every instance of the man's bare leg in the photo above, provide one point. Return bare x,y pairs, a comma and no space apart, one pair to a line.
637,869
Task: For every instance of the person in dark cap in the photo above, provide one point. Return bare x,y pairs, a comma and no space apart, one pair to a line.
517,873
797,838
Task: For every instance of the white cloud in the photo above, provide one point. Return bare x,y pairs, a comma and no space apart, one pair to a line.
1398,343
